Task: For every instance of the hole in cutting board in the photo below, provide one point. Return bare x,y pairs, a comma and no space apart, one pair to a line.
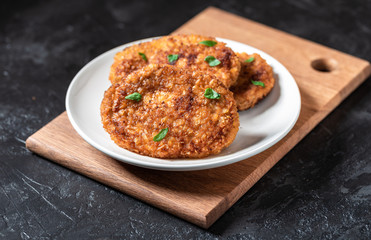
324,64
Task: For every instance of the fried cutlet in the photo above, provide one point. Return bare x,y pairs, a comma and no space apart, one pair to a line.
254,69
171,99
190,54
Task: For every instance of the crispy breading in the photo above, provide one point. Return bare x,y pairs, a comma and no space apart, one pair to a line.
172,98
245,92
191,56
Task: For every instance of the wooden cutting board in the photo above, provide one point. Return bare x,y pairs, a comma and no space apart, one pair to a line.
201,197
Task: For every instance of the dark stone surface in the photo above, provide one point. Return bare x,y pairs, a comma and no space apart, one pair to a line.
320,190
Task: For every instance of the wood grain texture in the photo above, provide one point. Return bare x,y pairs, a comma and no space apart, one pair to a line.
201,197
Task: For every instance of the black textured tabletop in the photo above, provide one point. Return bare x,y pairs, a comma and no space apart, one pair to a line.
320,190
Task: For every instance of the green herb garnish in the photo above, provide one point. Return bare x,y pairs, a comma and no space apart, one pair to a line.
143,56
211,94
161,135
257,83
250,60
172,57
134,96
212,61
208,43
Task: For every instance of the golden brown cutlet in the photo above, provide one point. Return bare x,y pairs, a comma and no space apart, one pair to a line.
191,56
171,98
245,92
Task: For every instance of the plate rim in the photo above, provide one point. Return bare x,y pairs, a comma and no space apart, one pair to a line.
163,166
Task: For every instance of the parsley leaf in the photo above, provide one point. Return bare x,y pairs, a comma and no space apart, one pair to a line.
161,135
257,83
250,60
211,94
143,56
208,43
172,57
212,61
134,96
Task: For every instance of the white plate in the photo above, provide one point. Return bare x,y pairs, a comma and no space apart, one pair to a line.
260,127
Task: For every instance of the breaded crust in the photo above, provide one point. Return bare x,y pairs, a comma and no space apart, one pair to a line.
172,98
191,56
245,92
